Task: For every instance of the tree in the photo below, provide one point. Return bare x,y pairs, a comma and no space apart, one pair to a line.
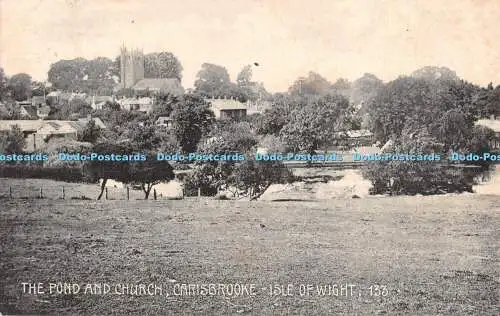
150,172
253,178
163,105
192,118
317,123
13,141
115,170
314,85
365,88
91,133
162,65
342,86
3,85
20,86
212,81
432,73
244,78
96,76
73,109
245,178
67,75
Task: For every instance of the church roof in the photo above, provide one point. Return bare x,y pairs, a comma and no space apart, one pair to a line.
165,85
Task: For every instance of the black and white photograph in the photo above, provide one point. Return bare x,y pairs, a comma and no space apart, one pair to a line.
249,157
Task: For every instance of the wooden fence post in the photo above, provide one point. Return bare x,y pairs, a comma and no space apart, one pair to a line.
128,193
106,193
63,193
154,193
199,192
41,193
10,192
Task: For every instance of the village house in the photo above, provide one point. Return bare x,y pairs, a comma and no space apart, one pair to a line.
37,133
144,105
228,109
164,121
493,124
98,102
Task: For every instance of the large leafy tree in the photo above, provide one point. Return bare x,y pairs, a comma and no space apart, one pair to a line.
95,76
192,118
365,88
246,178
162,65
212,81
150,173
3,85
20,86
317,123
13,141
313,85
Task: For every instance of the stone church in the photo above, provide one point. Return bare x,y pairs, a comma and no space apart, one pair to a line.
132,75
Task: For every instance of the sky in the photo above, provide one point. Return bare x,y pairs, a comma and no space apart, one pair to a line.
288,38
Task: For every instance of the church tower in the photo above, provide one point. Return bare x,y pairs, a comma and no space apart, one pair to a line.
131,67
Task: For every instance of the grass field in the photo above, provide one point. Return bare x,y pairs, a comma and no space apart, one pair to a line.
434,255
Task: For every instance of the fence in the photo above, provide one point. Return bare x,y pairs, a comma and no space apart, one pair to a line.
46,189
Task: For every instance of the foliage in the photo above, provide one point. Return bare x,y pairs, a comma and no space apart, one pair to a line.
342,87
317,123
94,76
163,105
36,171
312,85
432,73
248,177
91,133
212,80
365,88
413,103
20,86
192,119
3,85
162,65
487,102
253,178
70,110
150,172
416,177
13,141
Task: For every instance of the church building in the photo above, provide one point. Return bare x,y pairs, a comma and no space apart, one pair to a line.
132,75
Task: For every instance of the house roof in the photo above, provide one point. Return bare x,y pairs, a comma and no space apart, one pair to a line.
226,104
61,127
24,125
98,122
164,118
98,99
33,126
492,124
129,101
359,133
165,85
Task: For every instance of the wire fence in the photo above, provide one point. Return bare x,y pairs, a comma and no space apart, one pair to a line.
47,189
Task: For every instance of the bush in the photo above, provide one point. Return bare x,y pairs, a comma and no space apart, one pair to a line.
410,178
70,174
